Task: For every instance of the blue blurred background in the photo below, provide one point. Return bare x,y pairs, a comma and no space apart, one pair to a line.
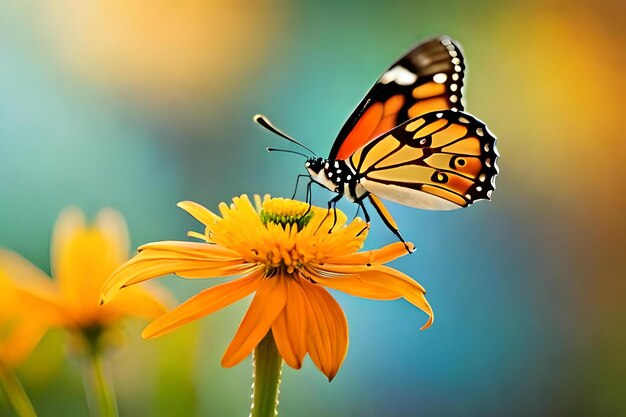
138,104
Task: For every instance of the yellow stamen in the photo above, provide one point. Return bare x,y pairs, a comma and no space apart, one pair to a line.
286,212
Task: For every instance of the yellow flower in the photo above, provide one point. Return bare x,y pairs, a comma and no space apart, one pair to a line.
287,253
20,331
82,258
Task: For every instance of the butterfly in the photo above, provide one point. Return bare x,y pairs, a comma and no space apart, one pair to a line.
409,140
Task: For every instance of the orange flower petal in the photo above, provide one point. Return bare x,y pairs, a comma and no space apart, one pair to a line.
203,303
138,301
378,256
49,311
25,275
25,336
70,222
290,327
197,235
325,220
283,341
192,249
111,225
267,304
188,259
84,257
32,291
24,318
353,285
368,281
327,330
296,317
199,212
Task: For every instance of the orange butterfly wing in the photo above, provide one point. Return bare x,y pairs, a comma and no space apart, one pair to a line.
428,78
439,161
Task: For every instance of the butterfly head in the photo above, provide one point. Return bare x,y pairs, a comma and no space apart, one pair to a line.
315,166
318,169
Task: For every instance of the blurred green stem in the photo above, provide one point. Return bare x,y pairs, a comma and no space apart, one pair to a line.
100,393
15,393
267,364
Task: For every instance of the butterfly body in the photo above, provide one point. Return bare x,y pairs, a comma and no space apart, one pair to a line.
409,140
337,176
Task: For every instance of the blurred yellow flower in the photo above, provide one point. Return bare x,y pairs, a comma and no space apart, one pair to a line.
288,252
20,330
82,258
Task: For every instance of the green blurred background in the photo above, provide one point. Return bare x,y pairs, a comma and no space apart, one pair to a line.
138,104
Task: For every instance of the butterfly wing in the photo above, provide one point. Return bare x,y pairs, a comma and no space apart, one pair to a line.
439,161
428,78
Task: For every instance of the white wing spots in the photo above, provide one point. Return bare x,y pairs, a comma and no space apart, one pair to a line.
457,68
326,165
488,162
336,164
440,78
454,109
463,120
455,77
446,42
349,177
453,54
453,87
439,115
479,188
469,197
482,177
486,147
479,131
330,175
308,164
456,61
489,193
423,141
453,98
399,75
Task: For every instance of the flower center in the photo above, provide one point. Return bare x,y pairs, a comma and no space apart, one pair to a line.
283,211
286,255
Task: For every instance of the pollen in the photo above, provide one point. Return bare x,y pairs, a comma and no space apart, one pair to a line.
286,212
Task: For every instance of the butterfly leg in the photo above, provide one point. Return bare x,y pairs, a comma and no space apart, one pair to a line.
332,204
298,178
365,214
308,197
387,219
356,214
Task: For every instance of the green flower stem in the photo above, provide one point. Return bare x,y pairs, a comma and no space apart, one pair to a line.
15,393
268,365
100,393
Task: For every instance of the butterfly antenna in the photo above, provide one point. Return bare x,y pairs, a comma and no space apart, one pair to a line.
287,151
263,121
